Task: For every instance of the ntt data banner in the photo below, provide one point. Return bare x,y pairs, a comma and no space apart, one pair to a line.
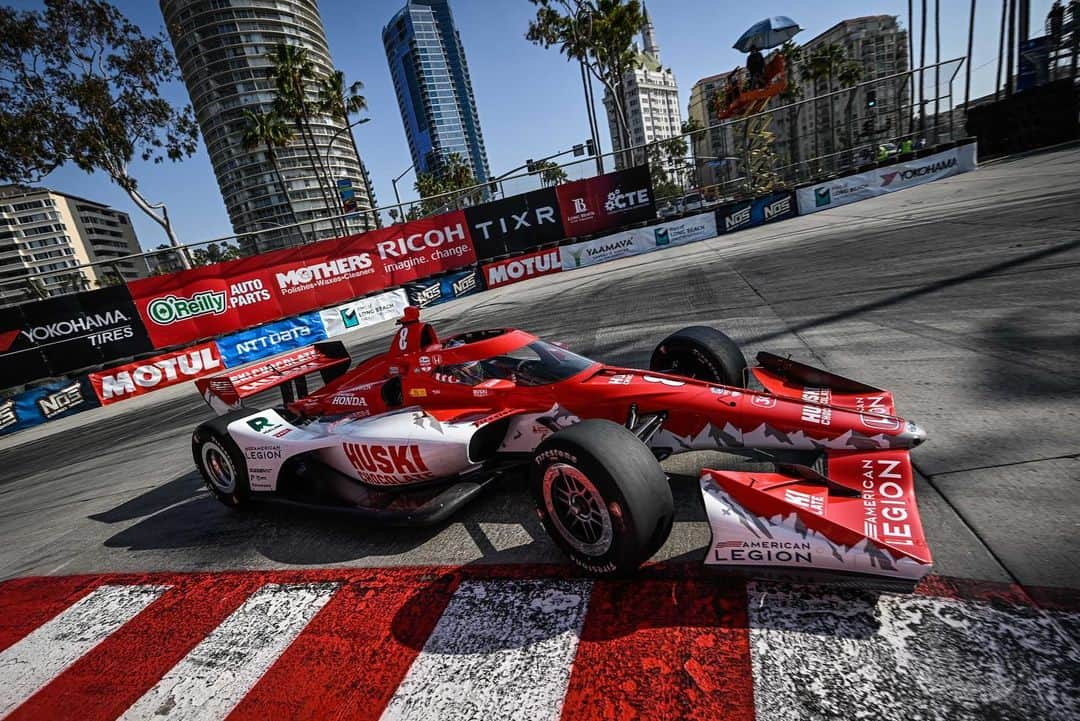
168,369
270,339
522,267
220,298
363,312
841,191
46,403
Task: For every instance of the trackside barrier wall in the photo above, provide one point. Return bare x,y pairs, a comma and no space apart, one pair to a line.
439,290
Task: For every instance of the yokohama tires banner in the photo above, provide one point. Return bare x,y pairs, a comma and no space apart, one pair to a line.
220,298
145,376
523,267
606,201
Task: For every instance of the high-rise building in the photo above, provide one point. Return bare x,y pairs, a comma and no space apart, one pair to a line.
651,99
44,231
714,146
434,91
223,48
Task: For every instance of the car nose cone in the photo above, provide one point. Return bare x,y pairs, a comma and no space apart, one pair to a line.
913,434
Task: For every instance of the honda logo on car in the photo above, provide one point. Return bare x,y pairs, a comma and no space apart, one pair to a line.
317,274
173,309
141,377
522,268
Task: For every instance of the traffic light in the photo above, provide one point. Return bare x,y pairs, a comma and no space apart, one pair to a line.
871,98
590,147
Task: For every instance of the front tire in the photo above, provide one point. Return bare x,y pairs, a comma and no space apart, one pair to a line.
702,353
602,496
222,466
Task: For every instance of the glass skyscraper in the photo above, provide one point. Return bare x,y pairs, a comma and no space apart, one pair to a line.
431,78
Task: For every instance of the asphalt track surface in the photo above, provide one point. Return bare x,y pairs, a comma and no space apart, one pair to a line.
962,297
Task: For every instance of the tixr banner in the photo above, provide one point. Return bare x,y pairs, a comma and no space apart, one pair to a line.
606,201
516,224
53,336
46,403
168,369
439,290
270,339
215,299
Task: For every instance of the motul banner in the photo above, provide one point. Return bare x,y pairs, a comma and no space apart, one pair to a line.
168,369
606,201
225,297
523,267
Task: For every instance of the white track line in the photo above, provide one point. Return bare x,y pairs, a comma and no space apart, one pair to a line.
501,650
219,672
31,663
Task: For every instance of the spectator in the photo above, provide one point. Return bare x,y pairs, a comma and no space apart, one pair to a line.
732,89
755,65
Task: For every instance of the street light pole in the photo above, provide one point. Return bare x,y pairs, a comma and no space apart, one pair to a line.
335,136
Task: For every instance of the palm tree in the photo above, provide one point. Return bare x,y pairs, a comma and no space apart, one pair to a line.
271,131
339,102
825,64
793,93
550,173
848,76
293,71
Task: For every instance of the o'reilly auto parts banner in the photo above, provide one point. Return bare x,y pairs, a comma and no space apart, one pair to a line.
363,312
45,403
270,339
879,181
522,267
53,336
606,201
168,369
516,224
439,290
219,298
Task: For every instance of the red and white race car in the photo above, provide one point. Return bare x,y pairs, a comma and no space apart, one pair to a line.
412,434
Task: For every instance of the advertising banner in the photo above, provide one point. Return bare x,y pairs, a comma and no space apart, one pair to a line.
601,250
439,290
872,183
516,224
735,216
363,312
522,267
678,232
168,369
220,298
607,201
46,403
773,207
270,339
52,336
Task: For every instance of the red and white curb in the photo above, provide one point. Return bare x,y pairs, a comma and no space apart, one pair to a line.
536,644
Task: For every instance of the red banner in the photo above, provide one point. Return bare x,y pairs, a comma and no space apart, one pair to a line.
141,377
522,267
225,297
607,201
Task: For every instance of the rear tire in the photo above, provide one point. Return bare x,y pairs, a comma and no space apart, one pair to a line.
702,353
222,465
602,496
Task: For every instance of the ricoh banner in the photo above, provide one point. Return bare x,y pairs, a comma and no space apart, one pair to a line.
363,312
439,290
168,369
270,339
46,403
872,183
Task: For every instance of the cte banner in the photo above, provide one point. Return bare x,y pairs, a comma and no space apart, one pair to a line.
439,290
872,183
270,339
45,403
220,298
363,312
53,336
606,201
516,224
168,369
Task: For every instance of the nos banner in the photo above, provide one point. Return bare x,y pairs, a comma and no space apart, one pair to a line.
606,201
439,290
46,403
516,224
142,377
220,298
53,336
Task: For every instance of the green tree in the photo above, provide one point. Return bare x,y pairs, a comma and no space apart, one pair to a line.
340,101
826,63
272,132
441,187
550,173
598,33
293,74
215,253
79,83
792,94
848,76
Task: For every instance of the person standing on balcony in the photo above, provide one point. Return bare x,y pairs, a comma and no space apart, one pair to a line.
755,66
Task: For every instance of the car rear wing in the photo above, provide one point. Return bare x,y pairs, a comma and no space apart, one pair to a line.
225,391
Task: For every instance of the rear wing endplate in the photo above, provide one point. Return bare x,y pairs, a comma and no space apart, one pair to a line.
225,391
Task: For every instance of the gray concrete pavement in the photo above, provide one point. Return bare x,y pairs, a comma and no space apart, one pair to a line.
960,296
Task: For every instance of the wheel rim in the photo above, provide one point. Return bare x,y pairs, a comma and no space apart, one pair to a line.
219,468
577,510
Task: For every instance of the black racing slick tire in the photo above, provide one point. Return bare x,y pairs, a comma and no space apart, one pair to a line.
221,464
702,353
602,496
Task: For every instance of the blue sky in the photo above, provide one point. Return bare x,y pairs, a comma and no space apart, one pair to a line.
529,99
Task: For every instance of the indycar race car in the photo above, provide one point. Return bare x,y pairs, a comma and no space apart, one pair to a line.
412,434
